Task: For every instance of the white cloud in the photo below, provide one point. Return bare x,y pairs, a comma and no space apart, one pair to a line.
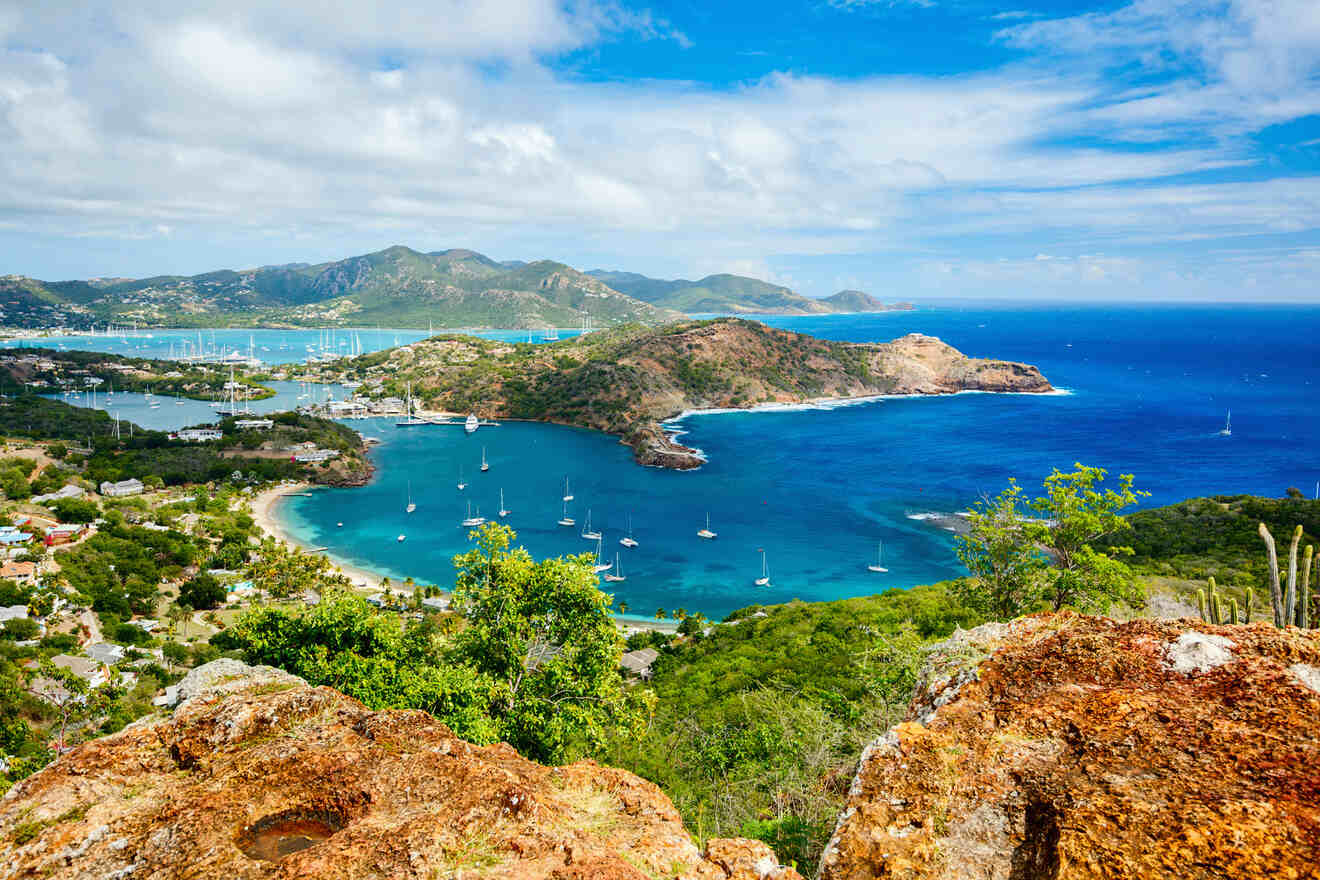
442,124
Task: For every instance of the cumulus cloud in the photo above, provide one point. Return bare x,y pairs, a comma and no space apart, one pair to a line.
446,122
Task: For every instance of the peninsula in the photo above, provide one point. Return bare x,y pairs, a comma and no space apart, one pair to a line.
628,380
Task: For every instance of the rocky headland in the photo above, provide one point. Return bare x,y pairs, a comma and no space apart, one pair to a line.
628,381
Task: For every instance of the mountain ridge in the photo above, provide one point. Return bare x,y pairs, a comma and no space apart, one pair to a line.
726,293
396,286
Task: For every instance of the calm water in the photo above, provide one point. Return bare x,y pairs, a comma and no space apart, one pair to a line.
174,413
268,346
818,488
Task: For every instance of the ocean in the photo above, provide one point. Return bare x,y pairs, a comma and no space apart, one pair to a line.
1148,389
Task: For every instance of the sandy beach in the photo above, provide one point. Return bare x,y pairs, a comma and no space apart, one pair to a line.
263,513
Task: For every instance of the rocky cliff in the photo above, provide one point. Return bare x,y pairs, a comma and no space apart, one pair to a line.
256,775
1074,747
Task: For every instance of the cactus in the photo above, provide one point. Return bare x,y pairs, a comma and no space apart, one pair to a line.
1200,605
1290,599
1234,618
1246,605
1276,595
1304,597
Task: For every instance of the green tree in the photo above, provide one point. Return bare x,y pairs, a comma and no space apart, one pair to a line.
1080,515
202,591
1002,551
345,643
543,634
73,698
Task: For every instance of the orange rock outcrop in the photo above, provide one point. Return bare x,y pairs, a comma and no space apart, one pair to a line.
1069,747
289,781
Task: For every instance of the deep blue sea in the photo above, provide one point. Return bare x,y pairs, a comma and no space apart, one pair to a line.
1148,387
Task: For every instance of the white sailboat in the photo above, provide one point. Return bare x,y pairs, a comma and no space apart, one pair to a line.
1227,430
587,531
879,553
706,532
628,540
462,484
411,507
568,494
601,566
471,423
764,579
567,520
400,538
484,466
471,520
504,511
615,576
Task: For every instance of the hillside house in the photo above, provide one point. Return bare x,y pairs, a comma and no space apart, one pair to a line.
122,488
199,435
18,572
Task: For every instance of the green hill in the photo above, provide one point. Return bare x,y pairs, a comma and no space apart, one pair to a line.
717,294
398,287
857,301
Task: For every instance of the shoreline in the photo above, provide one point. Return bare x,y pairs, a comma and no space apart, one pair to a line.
828,403
264,505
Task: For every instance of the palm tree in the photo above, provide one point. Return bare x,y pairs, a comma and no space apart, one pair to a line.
660,614
623,607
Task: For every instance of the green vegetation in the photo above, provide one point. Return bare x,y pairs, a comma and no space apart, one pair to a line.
536,665
758,724
1020,563
58,370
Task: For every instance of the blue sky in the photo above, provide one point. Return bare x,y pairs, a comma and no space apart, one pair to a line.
1154,149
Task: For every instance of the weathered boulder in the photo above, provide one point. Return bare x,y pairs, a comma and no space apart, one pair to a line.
277,779
1062,746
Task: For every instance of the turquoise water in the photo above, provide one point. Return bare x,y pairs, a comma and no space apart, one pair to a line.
268,346
817,489
174,413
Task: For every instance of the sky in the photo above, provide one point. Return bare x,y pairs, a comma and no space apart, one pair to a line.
1048,149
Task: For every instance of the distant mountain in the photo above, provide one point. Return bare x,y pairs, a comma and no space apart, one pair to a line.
720,294
857,301
396,287
735,294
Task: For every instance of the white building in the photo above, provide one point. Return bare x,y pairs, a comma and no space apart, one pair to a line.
122,488
200,435
254,423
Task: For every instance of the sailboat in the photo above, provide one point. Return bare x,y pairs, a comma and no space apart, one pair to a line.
461,484
471,423
178,399
568,495
1227,430
706,532
615,576
504,511
628,540
400,538
411,506
567,520
879,551
601,566
484,466
587,531
764,579
471,520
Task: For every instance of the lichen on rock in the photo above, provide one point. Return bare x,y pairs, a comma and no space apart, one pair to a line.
257,775
1081,747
